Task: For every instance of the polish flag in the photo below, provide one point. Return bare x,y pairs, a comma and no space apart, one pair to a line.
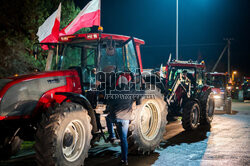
49,31
89,16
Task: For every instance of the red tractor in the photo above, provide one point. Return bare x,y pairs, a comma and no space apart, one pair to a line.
61,108
186,93
221,90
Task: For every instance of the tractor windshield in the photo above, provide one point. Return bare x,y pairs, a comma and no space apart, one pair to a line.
175,71
218,81
196,75
116,56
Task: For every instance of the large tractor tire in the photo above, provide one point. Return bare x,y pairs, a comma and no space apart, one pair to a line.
8,149
63,136
207,110
148,125
191,115
228,105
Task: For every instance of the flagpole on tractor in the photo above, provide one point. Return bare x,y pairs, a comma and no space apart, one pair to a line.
177,28
100,30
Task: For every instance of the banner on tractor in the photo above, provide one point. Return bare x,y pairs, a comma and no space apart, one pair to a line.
88,17
48,32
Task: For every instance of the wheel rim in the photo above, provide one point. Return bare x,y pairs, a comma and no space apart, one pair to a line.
150,120
73,140
194,116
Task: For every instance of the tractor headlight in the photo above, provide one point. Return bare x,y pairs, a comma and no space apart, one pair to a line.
217,96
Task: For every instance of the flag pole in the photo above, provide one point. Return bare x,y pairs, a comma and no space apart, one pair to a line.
177,29
100,30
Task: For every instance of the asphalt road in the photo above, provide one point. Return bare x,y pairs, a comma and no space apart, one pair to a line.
227,142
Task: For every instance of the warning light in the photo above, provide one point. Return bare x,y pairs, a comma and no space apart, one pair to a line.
100,29
66,38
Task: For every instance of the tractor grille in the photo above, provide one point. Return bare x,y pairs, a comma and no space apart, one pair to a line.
22,98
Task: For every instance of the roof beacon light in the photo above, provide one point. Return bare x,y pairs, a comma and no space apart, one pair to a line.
100,29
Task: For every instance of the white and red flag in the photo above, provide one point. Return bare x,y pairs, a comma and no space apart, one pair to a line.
48,32
89,16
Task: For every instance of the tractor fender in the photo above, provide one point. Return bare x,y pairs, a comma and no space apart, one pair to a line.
205,89
194,99
82,100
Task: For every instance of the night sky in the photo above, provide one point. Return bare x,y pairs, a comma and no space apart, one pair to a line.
203,24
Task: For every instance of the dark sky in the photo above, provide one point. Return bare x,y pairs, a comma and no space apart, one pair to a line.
202,26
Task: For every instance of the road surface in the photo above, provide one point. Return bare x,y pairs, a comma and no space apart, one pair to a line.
227,142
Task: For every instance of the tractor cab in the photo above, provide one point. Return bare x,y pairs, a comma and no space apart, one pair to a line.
194,71
81,52
217,80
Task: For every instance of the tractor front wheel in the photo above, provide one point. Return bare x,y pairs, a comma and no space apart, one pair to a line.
228,106
191,115
207,109
63,136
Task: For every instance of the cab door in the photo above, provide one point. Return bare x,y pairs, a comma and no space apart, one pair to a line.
131,60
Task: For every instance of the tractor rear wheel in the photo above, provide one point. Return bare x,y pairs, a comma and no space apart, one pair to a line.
191,115
207,109
63,136
148,125
8,149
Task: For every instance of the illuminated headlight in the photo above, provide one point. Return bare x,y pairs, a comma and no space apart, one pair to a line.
229,87
217,96
248,90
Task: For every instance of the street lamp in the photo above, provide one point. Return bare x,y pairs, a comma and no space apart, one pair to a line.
233,75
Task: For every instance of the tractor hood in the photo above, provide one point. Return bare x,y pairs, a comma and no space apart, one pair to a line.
20,95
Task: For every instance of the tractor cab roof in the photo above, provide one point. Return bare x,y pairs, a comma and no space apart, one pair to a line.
189,64
95,37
